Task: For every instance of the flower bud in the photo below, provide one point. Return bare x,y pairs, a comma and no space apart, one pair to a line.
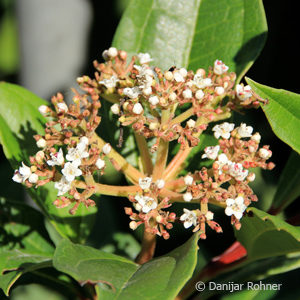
112,52
43,109
137,108
188,180
169,76
187,197
100,163
106,148
133,225
33,178
199,94
153,100
187,94
172,96
115,109
41,143
219,90
191,123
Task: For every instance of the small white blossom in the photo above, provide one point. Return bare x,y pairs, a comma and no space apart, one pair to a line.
256,137
211,152
169,75
153,100
223,161
191,123
145,78
244,131
209,216
84,140
24,171
62,107
237,171
41,143
199,94
235,207
251,177
112,52
109,82
160,183
137,108
43,109
144,58
115,108
187,197
243,92
62,186
100,163
220,67
188,180
33,178
183,72
178,77
145,183
147,90
223,130
187,94
189,218
78,153
264,153
146,202
70,170
219,90
56,158
132,92
106,148
201,82
17,177
172,96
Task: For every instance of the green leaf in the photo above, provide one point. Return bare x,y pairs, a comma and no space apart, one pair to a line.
24,242
19,121
194,33
119,278
266,236
282,112
289,184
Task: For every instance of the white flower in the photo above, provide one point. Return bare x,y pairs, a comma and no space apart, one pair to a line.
100,163
251,177
183,72
147,90
146,202
191,123
145,78
223,130
144,71
187,197
70,170
188,180
84,140
256,137
62,107
43,109
223,161
264,153
244,131
115,109
220,67
112,52
160,183
62,186
187,94
145,183
178,77
109,82
17,177
24,171
33,178
144,58
211,152
132,92
137,108
56,158
106,148
199,94
153,100
189,218
235,207
41,143
76,154
243,92
201,82
237,171
209,216
219,90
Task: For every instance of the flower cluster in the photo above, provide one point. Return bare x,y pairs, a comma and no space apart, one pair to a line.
175,105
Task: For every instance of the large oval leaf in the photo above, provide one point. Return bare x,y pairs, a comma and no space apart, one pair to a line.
194,33
119,278
19,121
282,111
266,236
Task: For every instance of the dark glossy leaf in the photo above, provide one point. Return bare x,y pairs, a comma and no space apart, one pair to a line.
194,33
282,112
